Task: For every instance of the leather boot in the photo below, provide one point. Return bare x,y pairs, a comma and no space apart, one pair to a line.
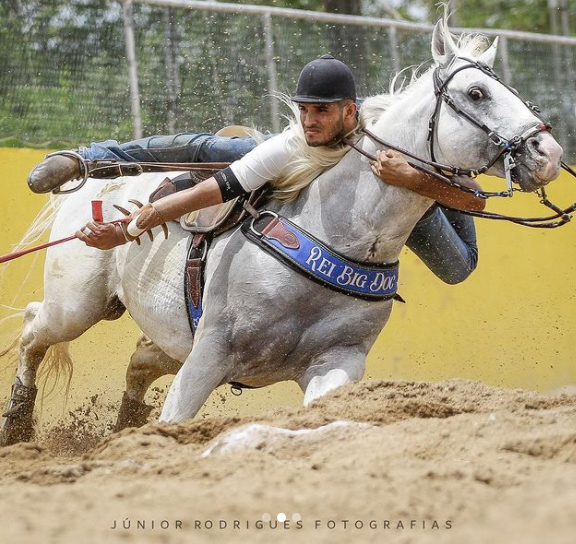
53,172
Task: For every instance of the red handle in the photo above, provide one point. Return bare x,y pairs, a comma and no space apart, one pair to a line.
97,211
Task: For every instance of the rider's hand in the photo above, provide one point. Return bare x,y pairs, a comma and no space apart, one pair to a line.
102,235
391,167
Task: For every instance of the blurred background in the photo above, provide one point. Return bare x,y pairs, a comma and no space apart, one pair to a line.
77,71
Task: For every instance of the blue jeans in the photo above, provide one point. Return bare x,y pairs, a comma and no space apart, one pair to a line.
444,240
183,147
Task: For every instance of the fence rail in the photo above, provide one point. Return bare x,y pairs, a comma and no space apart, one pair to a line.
92,69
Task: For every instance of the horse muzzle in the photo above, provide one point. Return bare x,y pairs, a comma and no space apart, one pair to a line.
538,161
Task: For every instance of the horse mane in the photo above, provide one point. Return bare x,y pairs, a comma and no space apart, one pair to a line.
307,163
465,45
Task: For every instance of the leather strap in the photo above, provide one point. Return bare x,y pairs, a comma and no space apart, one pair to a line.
194,278
115,169
21,400
303,252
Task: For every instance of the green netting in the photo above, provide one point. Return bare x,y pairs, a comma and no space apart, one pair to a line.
64,75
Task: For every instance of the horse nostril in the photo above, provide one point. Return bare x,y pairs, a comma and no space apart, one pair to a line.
535,144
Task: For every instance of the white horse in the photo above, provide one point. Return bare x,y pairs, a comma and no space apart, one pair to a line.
263,322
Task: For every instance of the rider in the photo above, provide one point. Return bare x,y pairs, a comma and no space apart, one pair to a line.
326,96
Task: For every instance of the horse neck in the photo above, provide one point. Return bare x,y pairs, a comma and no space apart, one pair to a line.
405,122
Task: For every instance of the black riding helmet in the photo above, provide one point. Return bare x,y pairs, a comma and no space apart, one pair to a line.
325,80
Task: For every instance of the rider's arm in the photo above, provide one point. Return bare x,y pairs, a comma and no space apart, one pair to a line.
392,168
256,168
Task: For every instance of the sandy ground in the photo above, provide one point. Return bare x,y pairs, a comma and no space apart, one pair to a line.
405,462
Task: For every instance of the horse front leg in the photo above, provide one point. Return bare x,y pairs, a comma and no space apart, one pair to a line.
204,369
332,369
147,364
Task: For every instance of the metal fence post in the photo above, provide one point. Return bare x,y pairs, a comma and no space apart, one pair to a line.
132,68
506,73
172,75
393,41
271,68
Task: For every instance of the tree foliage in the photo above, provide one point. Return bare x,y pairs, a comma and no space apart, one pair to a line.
524,15
63,74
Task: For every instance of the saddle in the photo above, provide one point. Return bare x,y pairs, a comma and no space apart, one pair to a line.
203,226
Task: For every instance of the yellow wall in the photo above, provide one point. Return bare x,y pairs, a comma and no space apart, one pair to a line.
511,324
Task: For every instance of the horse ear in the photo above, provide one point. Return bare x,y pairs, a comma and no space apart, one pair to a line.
443,51
489,56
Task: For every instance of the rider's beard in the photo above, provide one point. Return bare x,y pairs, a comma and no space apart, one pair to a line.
332,137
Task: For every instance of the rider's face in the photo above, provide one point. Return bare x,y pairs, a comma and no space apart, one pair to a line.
325,124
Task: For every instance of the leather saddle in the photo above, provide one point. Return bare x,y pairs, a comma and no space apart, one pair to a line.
215,219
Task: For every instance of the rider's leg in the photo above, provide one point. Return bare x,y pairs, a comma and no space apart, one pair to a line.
445,241
186,147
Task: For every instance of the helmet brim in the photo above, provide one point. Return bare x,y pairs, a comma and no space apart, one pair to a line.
303,99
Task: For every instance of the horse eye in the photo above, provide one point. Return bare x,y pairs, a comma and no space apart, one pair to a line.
475,93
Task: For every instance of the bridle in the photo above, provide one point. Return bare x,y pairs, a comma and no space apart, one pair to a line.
506,150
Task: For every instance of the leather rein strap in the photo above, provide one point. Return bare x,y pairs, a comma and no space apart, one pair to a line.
548,222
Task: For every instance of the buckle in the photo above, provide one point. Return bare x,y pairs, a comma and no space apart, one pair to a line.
262,213
203,246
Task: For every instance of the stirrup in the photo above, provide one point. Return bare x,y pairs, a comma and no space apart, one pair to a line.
84,173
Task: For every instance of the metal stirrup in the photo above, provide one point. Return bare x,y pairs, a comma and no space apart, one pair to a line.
84,173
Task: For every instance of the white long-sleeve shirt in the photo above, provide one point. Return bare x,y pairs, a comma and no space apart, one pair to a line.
265,162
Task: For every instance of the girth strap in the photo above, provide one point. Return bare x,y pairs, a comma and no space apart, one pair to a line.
306,254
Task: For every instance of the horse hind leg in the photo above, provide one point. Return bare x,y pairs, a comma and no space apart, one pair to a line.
147,364
17,423
46,331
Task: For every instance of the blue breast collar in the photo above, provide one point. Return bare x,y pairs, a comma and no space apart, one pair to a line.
309,256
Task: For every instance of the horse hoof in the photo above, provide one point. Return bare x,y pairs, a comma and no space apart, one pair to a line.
14,431
132,413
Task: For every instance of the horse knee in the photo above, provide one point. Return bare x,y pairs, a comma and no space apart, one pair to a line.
323,378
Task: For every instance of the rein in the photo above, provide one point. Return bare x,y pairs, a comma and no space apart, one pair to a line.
507,150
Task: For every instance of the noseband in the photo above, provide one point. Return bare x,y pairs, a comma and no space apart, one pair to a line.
506,150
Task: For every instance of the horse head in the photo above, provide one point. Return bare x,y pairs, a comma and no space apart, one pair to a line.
472,102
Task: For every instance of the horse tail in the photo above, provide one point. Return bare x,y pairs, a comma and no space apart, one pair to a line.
57,364
10,350
41,223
